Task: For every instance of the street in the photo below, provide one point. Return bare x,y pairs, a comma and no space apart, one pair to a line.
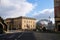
18,36
30,36
47,36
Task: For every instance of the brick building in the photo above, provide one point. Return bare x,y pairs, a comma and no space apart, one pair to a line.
57,14
21,23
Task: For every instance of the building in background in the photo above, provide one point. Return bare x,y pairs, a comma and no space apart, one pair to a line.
57,14
24,23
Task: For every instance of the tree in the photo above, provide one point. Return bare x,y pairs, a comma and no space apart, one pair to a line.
44,29
1,29
2,24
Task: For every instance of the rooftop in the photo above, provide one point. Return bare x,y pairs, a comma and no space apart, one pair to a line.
21,17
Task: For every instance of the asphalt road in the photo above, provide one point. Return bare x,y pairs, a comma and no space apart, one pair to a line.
30,36
18,36
47,36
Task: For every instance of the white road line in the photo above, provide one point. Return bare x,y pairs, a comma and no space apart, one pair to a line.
20,35
12,35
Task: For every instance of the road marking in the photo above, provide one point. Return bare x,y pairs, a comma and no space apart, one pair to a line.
20,35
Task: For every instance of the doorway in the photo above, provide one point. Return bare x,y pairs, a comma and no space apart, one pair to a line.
58,27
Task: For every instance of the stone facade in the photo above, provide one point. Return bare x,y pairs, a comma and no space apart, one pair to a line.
57,14
21,23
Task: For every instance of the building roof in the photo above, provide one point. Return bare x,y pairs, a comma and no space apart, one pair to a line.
21,17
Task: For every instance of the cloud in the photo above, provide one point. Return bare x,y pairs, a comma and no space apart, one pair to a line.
15,8
45,11
44,14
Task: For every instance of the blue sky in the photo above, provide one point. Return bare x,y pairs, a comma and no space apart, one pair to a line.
41,5
39,9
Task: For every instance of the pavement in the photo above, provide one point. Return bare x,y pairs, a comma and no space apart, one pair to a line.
28,35
13,31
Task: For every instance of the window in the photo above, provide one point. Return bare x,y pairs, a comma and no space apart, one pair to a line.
31,21
24,21
57,3
24,25
33,25
27,21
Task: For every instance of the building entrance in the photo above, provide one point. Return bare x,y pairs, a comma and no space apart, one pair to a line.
58,27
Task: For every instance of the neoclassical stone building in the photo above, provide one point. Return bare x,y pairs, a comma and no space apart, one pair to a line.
24,23
57,14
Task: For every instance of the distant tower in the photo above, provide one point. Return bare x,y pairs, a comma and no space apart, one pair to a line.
57,14
49,18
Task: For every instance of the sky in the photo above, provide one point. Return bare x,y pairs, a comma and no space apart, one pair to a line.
39,9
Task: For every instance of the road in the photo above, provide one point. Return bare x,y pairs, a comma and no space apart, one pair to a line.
47,36
18,36
30,36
